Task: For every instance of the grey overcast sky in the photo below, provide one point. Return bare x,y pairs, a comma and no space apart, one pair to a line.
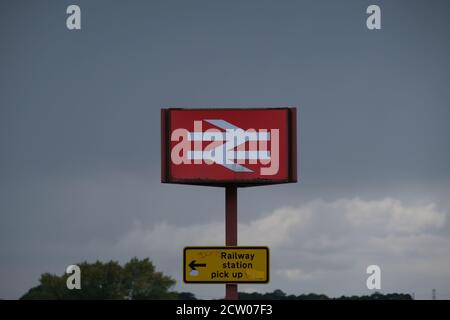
79,138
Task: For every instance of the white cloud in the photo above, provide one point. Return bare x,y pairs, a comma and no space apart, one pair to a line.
277,228
320,246
391,214
295,274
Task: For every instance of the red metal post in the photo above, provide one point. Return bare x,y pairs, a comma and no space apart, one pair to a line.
231,290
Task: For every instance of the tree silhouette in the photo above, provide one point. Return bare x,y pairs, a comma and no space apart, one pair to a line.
137,279
280,295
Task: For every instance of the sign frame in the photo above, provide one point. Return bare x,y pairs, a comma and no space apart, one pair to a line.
291,126
227,248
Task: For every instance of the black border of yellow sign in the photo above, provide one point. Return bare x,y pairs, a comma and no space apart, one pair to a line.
225,247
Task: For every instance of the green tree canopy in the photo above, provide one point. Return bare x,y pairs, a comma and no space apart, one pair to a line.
137,279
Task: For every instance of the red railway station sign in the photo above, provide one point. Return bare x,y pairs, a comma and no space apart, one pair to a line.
230,148
239,147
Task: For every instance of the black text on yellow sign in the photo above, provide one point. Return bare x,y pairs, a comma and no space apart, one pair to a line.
226,265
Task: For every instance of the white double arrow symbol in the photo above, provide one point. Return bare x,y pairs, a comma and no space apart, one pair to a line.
225,154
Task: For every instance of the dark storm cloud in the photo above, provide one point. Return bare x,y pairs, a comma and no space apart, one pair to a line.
79,112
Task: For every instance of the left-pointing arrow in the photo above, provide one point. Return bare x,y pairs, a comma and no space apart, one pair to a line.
194,265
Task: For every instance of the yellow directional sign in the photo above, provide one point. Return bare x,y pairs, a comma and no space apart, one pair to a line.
226,265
